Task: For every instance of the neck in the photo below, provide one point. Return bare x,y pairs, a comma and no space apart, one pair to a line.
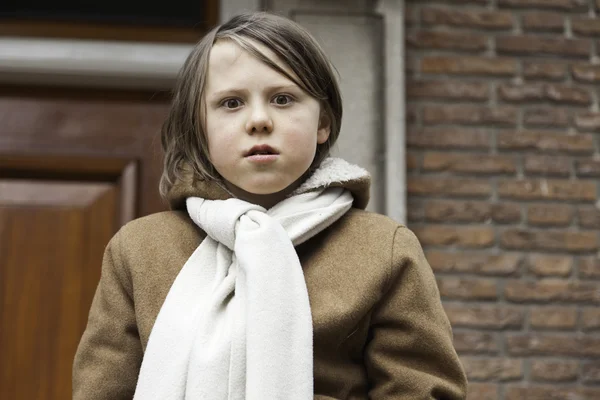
264,200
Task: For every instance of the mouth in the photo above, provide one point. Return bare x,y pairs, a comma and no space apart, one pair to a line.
261,150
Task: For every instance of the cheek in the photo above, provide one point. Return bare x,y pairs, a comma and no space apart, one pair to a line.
220,139
303,133
219,148
304,148
302,140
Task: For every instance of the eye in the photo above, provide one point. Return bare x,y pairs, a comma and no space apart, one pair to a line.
282,99
231,103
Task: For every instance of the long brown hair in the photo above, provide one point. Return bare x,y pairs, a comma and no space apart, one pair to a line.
183,139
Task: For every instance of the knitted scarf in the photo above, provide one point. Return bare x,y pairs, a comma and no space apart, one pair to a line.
236,323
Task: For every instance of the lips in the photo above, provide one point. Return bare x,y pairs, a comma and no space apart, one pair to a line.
261,149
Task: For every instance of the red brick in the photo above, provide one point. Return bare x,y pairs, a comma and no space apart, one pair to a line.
544,92
469,115
447,41
589,168
481,391
484,316
457,211
553,317
467,18
549,214
410,15
544,21
589,217
589,268
586,73
506,213
590,319
461,236
521,93
585,26
452,187
412,113
552,290
588,121
485,369
412,162
548,240
552,344
564,5
484,66
561,94
410,68
554,371
414,210
547,142
544,70
590,372
447,90
538,45
448,138
475,342
546,189
551,393
502,264
471,211
467,288
547,165
589,393
546,117
470,163
550,265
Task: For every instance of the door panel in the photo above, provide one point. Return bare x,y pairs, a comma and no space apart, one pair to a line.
75,165
73,125
51,234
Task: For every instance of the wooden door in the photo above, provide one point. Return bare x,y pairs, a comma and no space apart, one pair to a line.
75,165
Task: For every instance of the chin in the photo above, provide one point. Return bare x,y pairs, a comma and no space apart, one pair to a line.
264,190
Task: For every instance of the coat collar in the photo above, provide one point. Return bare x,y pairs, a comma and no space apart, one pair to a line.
333,172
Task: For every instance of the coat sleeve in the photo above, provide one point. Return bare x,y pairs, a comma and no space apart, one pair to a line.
410,353
109,355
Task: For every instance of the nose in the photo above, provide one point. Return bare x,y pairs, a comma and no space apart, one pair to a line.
259,120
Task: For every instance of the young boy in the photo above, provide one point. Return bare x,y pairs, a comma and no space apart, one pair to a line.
268,280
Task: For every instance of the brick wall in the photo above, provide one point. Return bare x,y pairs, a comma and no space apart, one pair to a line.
503,161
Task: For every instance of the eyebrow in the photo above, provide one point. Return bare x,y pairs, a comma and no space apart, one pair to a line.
274,88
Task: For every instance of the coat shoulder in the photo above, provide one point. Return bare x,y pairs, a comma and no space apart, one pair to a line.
359,233
158,226
160,233
370,223
382,232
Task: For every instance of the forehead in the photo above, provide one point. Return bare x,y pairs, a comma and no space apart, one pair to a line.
226,56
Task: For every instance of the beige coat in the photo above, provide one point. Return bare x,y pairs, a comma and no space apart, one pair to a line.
379,328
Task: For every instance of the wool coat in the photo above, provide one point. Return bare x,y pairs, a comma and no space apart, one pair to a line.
379,328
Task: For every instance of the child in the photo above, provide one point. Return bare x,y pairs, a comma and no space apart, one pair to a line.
268,280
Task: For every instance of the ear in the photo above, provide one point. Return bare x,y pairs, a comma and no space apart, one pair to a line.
324,129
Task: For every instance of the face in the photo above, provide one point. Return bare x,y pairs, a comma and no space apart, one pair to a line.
262,129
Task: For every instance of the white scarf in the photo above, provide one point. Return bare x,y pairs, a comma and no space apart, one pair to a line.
236,324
